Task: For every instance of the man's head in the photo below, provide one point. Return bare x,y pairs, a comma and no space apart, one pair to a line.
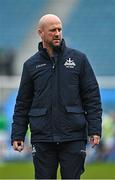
50,30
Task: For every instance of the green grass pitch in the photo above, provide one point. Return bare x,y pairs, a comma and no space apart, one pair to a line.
25,170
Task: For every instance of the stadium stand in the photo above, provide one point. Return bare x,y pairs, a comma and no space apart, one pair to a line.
16,19
91,29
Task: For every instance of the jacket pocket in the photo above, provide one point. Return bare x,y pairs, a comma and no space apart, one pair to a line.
38,112
74,109
75,117
38,120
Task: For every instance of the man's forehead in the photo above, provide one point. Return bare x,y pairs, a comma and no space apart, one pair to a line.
54,25
49,26
53,22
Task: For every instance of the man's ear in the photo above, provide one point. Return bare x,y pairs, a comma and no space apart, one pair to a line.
39,32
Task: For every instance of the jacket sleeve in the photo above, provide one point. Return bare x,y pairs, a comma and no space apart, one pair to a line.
91,100
22,106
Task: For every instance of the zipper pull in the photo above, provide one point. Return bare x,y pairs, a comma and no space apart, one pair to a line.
53,66
53,62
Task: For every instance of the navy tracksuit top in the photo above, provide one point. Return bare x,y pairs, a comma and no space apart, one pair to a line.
58,98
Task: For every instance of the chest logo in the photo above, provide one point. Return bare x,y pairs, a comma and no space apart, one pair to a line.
69,63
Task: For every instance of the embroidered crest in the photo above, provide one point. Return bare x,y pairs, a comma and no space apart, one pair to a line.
70,63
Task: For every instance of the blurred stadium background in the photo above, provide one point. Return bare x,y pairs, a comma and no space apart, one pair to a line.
89,26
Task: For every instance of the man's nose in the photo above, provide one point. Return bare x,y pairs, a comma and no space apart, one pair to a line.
57,32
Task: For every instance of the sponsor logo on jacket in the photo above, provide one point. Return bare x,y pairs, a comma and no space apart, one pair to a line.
40,65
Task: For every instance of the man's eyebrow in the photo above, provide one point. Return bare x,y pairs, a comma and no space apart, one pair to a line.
59,28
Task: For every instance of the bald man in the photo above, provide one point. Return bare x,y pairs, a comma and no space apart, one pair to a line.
59,99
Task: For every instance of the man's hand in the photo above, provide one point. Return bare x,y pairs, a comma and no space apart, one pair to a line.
94,140
18,145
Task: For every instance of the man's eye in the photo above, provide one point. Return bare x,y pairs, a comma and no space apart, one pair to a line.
52,30
59,29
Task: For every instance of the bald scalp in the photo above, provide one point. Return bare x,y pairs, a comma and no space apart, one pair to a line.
47,19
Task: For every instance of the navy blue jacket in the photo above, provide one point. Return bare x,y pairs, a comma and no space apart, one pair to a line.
58,98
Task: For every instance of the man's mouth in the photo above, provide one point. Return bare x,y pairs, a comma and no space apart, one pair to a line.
56,40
